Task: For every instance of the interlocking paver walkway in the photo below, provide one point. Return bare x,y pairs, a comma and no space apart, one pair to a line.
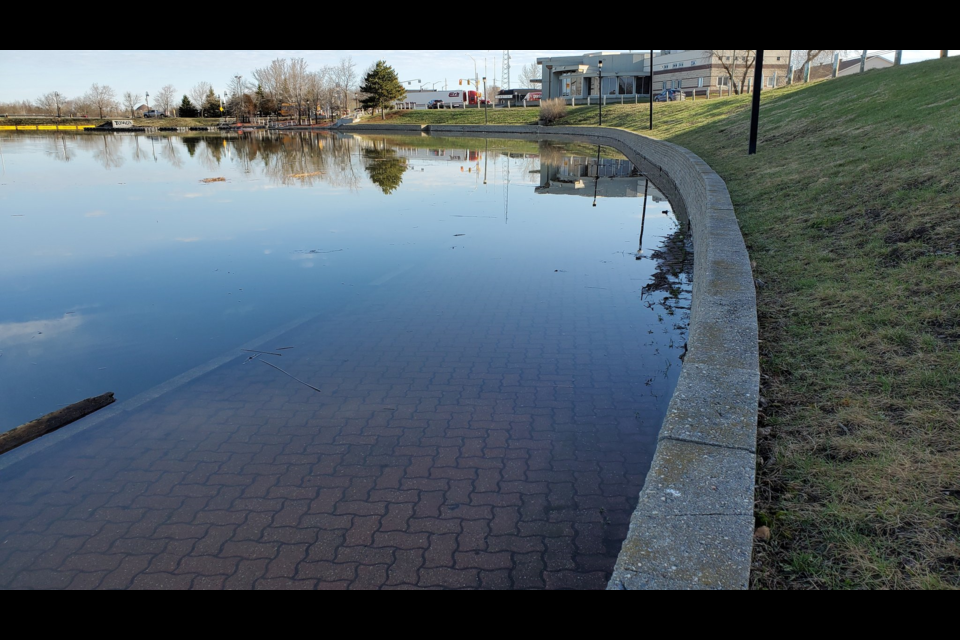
497,440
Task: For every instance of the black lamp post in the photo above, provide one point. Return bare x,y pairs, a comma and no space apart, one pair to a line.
755,116
600,92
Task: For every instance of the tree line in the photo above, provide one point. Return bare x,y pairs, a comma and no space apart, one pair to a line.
287,87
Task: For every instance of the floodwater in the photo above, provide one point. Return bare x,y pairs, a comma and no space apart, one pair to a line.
471,401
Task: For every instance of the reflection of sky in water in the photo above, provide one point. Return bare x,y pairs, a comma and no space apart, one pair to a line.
120,269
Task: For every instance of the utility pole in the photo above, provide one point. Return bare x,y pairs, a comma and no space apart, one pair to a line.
898,60
836,65
757,90
944,53
505,76
863,61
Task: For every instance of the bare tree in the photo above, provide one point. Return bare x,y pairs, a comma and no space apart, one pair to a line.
528,73
318,89
52,102
804,58
345,80
241,104
166,98
273,80
737,64
131,101
297,81
199,95
102,97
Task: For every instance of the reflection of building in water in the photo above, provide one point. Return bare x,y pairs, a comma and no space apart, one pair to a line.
439,155
578,175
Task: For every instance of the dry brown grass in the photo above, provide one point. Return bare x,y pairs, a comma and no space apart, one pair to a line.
552,111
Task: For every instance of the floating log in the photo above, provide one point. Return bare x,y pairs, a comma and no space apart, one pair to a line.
53,422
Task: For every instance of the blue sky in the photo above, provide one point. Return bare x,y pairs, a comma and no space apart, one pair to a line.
27,74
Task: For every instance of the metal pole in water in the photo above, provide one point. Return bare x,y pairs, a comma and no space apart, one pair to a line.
643,222
486,159
596,184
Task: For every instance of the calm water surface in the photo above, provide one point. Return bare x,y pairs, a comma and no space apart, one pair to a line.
120,268
441,275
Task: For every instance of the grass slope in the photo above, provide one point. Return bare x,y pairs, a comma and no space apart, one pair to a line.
851,212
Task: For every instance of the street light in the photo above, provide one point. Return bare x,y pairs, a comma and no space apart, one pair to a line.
486,100
476,73
600,91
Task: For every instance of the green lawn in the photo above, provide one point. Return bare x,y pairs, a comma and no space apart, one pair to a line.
851,212
462,116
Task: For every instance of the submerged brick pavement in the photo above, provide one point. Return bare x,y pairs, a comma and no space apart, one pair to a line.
495,441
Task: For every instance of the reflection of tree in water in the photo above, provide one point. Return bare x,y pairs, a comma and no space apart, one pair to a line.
287,159
671,286
385,168
109,152
171,153
58,150
191,144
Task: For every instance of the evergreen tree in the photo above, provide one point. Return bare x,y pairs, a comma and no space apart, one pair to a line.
211,106
261,99
187,110
382,87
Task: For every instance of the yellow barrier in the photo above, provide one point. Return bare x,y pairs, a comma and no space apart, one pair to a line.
43,127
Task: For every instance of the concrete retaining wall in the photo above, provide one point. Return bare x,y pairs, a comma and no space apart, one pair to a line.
694,525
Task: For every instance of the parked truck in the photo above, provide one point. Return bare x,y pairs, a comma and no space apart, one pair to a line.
457,99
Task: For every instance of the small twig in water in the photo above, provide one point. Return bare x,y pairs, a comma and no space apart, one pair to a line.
264,353
295,378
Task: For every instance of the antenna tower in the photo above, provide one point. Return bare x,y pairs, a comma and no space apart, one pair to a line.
505,76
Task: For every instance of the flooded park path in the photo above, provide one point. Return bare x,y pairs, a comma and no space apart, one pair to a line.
473,402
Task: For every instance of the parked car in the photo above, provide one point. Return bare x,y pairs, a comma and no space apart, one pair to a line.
154,114
670,95
435,104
